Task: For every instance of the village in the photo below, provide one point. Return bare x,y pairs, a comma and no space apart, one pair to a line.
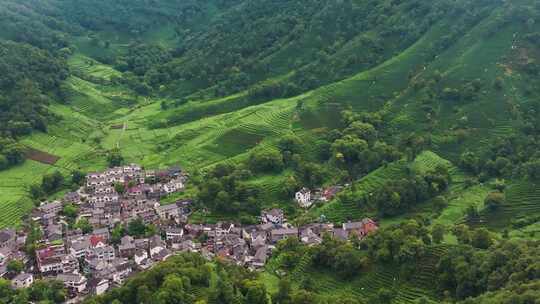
91,263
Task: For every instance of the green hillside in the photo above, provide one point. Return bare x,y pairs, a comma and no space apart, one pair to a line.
425,111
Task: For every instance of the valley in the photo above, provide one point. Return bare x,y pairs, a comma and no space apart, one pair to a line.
427,114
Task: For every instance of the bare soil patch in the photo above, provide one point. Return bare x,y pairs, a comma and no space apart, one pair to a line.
40,156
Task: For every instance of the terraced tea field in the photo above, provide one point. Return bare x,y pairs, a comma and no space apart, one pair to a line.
522,200
14,184
337,211
367,284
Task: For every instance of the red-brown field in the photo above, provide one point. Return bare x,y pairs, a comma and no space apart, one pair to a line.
42,157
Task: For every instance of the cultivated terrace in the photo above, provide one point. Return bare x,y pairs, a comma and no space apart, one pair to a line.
270,152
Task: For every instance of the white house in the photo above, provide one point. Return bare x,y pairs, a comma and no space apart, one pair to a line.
73,281
23,280
79,248
274,216
140,256
303,197
105,253
102,286
174,233
168,212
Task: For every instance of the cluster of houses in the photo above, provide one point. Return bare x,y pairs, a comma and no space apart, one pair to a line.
116,196
93,262
251,246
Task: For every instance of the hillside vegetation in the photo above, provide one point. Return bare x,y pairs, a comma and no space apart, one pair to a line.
424,110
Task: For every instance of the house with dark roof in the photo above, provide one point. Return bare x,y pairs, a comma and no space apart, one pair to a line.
49,259
259,259
8,239
73,281
79,247
168,212
127,247
360,229
279,234
51,208
102,232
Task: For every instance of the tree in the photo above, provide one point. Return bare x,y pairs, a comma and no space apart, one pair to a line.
350,147
36,192
437,233
311,174
119,188
77,177
255,292
84,225
440,202
51,182
471,212
163,105
117,233
223,292
385,296
290,143
115,158
34,235
136,227
462,234
348,261
283,294
172,290
47,291
265,161
494,200
362,130
70,211
15,266
481,238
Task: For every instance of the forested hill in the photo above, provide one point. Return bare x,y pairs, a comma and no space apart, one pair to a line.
425,114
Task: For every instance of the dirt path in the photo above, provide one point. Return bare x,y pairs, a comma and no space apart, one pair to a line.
124,128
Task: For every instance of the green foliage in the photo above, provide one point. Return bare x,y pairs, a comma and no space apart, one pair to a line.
115,158
42,291
137,228
15,266
445,75
84,225
77,177
494,200
401,244
70,211
175,281
466,272
119,188
396,196
224,190
437,233
52,182
339,256
27,73
265,161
